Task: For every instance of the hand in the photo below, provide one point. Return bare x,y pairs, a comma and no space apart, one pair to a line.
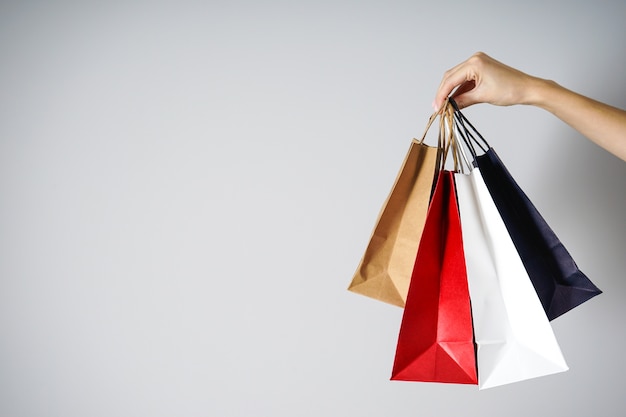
482,79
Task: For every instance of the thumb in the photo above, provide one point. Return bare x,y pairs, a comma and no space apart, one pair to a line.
465,95
465,99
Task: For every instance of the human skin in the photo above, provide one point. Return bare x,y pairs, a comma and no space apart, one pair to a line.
482,79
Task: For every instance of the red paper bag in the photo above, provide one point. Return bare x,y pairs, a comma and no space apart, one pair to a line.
436,342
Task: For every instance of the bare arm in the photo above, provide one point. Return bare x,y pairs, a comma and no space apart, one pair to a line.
482,79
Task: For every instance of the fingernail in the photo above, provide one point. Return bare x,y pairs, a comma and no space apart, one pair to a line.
434,105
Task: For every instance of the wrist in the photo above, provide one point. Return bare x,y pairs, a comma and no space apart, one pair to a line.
539,92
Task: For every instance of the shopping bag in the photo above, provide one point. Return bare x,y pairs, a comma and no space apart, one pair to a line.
558,281
514,338
560,284
435,343
385,269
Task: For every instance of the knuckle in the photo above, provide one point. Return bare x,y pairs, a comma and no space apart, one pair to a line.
478,58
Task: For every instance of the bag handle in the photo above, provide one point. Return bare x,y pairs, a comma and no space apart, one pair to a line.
466,133
444,114
443,139
431,120
449,132
463,156
449,128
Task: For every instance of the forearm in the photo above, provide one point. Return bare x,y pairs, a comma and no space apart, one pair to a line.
603,124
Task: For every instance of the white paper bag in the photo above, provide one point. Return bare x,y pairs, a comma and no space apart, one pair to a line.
514,337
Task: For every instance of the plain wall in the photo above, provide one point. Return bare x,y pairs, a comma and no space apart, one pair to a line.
186,189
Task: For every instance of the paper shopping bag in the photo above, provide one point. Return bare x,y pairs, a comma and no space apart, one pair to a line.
560,284
514,337
436,343
385,269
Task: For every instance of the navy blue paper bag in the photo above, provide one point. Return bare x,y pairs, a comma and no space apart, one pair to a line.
559,283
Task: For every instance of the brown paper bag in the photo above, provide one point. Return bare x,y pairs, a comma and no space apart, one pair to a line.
385,270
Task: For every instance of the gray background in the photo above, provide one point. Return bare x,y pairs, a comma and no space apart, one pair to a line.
186,189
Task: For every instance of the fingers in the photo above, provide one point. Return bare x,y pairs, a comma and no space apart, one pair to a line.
482,79
463,94
460,77
451,80
465,78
